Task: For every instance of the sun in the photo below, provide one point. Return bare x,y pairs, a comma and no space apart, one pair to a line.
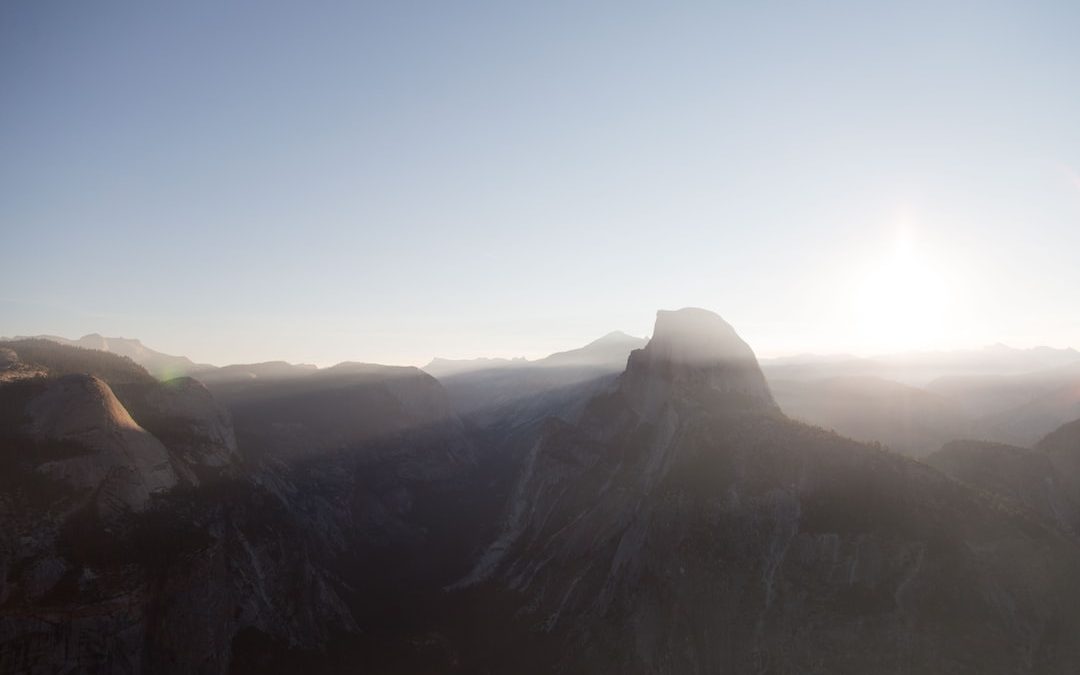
903,299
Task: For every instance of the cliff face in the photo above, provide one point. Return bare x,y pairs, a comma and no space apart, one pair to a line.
694,359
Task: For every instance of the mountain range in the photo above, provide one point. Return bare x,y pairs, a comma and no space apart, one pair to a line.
634,506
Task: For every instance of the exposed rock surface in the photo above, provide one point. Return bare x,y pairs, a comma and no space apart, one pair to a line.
110,559
186,417
125,464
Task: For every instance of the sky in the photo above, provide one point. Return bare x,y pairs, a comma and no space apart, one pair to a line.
388,182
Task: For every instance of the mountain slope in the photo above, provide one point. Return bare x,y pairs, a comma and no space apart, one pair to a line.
684,525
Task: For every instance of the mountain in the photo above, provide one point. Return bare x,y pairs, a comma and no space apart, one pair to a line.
857,397
683,524
1027,477
662,515
518,390
443,368
131,541
161,366
920,368
1019,408
143,535
283,410
907,419
607,352
268,370
1045,479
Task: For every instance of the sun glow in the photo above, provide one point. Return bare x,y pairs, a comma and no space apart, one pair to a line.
904,299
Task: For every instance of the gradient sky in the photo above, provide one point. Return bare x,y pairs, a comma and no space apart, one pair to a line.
392,181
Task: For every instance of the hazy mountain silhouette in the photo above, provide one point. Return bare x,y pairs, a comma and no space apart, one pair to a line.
907,419
162,366
524,390
991,401
921,368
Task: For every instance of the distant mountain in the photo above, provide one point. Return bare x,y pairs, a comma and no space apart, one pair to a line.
442,368
282,410
609,351
268,370
867,399
921,368
161,366
907,419
520,389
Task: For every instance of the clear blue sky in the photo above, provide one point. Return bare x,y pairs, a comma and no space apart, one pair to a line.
391,181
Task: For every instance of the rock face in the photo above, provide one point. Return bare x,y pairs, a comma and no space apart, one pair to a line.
184,415
118,554
683,525
695,358
125,465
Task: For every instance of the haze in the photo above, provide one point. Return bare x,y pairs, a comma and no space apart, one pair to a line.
241,182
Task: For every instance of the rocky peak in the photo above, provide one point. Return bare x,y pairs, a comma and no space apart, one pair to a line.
695,357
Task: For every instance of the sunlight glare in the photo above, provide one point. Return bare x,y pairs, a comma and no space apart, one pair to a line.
903,299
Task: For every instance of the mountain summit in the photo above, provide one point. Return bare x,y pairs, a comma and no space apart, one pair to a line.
695,357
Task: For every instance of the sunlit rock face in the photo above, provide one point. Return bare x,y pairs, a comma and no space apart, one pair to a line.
125,462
